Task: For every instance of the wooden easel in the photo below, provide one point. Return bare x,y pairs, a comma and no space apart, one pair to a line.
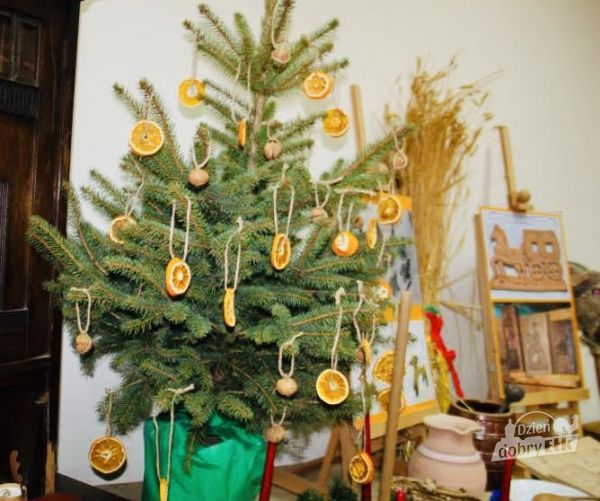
517,200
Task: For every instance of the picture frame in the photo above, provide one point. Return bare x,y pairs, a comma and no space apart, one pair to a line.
535,341
562,343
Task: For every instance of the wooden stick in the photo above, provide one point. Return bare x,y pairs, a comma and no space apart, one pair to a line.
359,121
391,431
517,200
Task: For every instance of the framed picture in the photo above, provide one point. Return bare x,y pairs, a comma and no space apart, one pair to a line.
524,255
536,343
562,345
513,355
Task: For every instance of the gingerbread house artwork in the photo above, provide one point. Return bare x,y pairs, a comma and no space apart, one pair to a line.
534,266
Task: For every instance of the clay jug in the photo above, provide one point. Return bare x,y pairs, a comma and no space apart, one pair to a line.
448,455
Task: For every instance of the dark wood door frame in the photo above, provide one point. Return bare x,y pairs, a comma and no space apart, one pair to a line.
41,358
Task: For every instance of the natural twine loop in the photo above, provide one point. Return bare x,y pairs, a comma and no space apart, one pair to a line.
176,392
288,345
188,216
341,292
382,250
88,320
361,299
133,199
280,422
321,205
240,224
206,156
340,209
248,93
291,206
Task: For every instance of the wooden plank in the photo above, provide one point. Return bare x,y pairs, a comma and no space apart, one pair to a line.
294,483
542,395
329,456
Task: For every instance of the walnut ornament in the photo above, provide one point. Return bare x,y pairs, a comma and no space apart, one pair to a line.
281,53
275,433
317,214
83,343
198,177
272,149
286,386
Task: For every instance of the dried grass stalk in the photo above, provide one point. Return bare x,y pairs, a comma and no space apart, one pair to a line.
443,139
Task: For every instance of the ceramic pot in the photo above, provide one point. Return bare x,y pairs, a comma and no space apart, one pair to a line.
492,423
448,455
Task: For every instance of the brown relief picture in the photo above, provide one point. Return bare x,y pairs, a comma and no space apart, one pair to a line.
561,342
535,265
510,339
535,343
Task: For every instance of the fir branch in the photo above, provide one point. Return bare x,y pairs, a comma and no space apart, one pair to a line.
283,18
218,26
213,50
246,36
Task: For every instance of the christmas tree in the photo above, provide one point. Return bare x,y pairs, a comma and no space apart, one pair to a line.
216,261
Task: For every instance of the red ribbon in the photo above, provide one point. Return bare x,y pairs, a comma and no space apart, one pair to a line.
365,490
436,322
265,488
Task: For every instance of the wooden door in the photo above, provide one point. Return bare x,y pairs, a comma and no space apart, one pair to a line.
37,59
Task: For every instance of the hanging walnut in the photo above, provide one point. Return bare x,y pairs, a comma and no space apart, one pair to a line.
198,177
281,54
83,343
317,214
273,149
399,160
286,386
275,433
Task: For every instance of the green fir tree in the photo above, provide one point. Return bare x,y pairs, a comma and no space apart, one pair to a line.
156,342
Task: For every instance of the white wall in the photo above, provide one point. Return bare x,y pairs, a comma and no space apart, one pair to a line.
547,93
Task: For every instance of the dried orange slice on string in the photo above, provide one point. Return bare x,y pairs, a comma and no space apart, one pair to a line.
361,468
318,85
118,224
389,209
332,387
281,251
146,138
107,455
383,397
335,122
345,244
178,277
384,367
242,127
229,307
191,92
372,233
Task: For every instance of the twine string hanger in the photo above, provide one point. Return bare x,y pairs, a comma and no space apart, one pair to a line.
248,93
176,392
186,242
341,292
88,319
194,61
200,165
240,224
280,422
291,206
321,205
361,299
373,329
288,345
133,199
382,250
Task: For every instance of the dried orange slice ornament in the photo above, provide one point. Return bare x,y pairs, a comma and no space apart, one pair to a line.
345,244
107,455
335,122
229,307
318,85
384,367
191,92
382,290
242,127
332,387
372,233
281,251
146,138
177,277
389,209
118,224
383,397
361,468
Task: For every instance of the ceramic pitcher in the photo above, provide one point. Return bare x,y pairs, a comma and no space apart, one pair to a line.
448,455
